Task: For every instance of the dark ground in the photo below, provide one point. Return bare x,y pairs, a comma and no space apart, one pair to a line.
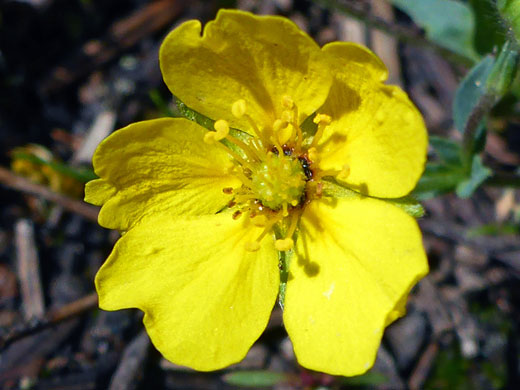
72,71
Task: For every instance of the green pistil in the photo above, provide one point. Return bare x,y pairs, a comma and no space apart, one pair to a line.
278,180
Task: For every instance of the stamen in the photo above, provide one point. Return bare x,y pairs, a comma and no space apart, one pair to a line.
284,245
287,102
322,120
287,243
222,129
313,155
255,245
251,153
344,173
238,109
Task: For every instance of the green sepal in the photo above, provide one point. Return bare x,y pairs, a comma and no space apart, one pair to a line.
408,203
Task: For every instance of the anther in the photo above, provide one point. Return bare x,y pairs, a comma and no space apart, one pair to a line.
344,173
322,119
209,137
238,109
252,246
287,102
227,190
313,154
259,220
222,129
284,245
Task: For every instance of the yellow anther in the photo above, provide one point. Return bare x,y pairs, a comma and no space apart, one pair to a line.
209,137
322,119
344,173
294,203
259,220
287,102
285,134
287,116
313,154
279,125
252,246
284,245
222,129
238,109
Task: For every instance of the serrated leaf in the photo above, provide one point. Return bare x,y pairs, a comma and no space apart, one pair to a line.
448,151
479,173
470,91
254,378
449,23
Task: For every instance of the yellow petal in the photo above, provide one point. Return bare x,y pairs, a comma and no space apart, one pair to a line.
259,59
206,299
158,166
376,130
99,191
355,60
356,258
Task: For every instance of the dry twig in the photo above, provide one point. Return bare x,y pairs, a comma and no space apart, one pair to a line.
11,180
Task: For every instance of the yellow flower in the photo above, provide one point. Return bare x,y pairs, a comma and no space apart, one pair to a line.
208,216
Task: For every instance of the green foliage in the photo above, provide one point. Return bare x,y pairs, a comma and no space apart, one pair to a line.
369,380
510,11
470,91
255,378
82,175
451,172
489,31
476,176
504,71
449,23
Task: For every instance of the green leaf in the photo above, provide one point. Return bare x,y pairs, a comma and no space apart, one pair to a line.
489,32
448,151
82,175
504,70
438,179
470,91
479,173
510,11
369,379
449,23
255,378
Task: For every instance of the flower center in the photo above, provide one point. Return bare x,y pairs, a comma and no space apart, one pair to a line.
277,170
278,180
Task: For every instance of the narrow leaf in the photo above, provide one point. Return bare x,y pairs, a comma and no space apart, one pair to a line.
255,378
